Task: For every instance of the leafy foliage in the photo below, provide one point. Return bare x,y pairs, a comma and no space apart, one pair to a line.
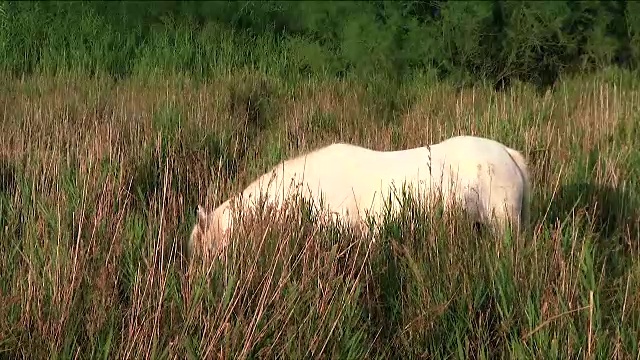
497,41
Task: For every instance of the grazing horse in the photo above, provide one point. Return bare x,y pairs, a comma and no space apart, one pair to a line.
488,179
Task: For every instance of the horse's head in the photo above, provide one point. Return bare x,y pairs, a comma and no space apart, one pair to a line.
210,233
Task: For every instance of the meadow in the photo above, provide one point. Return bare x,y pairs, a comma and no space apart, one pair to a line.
118,118
101,179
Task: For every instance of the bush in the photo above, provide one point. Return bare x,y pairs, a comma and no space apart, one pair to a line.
466,41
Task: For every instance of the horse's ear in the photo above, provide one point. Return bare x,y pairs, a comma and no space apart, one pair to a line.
202,218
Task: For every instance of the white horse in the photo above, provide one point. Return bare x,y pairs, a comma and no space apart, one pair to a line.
487,178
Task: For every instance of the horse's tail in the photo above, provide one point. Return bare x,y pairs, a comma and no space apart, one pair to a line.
526,195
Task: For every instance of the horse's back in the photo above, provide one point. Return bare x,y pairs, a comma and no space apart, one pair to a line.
330,170
472,153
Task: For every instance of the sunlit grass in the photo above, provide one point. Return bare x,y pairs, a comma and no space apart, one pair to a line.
99,182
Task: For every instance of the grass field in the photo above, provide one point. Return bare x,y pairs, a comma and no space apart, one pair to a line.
99,182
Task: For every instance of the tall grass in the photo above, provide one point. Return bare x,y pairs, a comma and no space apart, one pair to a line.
100,181
466,42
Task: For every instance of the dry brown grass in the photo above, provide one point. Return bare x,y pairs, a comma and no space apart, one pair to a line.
100,181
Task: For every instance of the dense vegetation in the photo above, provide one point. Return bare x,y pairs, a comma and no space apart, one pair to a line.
466,41
118,118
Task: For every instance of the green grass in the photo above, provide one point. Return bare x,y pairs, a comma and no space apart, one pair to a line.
463,42
99,182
